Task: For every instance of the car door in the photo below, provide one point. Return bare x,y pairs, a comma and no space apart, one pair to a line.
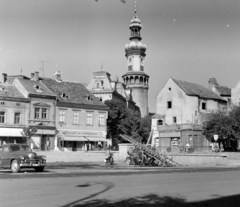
0,156
5,157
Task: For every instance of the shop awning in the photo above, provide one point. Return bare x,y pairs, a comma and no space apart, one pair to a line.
85,139
10,132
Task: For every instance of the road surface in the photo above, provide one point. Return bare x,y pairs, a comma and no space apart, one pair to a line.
97,185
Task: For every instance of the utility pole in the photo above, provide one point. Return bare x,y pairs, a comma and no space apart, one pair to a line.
43,61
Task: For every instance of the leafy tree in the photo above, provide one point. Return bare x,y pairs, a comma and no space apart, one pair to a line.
122,121
224,123
145,128
28,132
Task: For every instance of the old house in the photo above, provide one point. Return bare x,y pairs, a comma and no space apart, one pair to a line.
181,110
104,89
80,116
13,113
41,110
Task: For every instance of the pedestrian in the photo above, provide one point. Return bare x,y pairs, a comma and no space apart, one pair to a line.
187,147
181,147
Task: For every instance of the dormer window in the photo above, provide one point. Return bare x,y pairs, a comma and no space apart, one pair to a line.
64,95
88,98
38,88
2,88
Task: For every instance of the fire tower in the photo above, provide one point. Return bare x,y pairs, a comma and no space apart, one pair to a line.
135,78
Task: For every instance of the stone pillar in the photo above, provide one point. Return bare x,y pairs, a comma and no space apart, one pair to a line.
123,149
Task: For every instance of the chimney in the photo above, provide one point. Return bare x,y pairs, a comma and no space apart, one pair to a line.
32,76
212,82
4,77
57,76
36,76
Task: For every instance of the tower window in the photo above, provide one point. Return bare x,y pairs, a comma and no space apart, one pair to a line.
169,104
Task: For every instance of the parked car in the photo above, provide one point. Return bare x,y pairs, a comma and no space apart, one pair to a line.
17,156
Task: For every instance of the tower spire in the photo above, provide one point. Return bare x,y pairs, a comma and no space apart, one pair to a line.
135,10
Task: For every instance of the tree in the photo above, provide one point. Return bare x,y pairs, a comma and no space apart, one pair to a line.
224,123
121,121
28,132
145,128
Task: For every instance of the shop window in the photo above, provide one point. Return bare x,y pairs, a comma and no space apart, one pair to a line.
2,117
76,117
62,116
204,105
17,118
101,119
89,118
169,104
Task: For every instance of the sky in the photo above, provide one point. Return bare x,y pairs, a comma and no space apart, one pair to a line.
189,40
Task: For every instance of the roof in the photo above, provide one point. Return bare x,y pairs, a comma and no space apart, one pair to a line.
193,89
32,87
135,73
76,92
223,90
7,90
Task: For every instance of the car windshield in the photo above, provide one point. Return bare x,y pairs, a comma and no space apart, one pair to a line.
25,148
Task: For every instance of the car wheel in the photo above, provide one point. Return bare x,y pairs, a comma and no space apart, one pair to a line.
39,169
15,166
128,160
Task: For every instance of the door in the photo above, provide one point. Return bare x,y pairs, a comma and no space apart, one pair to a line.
74,146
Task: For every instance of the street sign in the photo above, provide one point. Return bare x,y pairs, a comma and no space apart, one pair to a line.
215,136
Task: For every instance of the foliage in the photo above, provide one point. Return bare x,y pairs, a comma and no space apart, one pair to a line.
28,132
224,123
145,128
122,121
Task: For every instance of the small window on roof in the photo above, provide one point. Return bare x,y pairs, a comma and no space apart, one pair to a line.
63,95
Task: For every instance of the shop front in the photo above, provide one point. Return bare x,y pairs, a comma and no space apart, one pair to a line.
43,140
11,135
69,140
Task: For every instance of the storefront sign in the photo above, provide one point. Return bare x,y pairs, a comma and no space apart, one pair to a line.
82,133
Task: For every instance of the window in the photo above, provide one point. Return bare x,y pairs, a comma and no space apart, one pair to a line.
2,103
174,119
169,104
17,118
204,106
62,117
37,113
44,113
76,117
2,116
98,85
17,104
101,119
89,118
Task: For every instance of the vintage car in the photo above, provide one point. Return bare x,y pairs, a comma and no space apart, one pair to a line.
17,156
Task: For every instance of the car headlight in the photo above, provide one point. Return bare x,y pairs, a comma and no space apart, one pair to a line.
44,158
21,158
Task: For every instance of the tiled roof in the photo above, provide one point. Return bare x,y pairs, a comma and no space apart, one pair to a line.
75,92
30,86
7,90
223,90
193,89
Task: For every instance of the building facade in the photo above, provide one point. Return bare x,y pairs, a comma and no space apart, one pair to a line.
182,107
14,109
104,89
136,79
80,116
41,111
